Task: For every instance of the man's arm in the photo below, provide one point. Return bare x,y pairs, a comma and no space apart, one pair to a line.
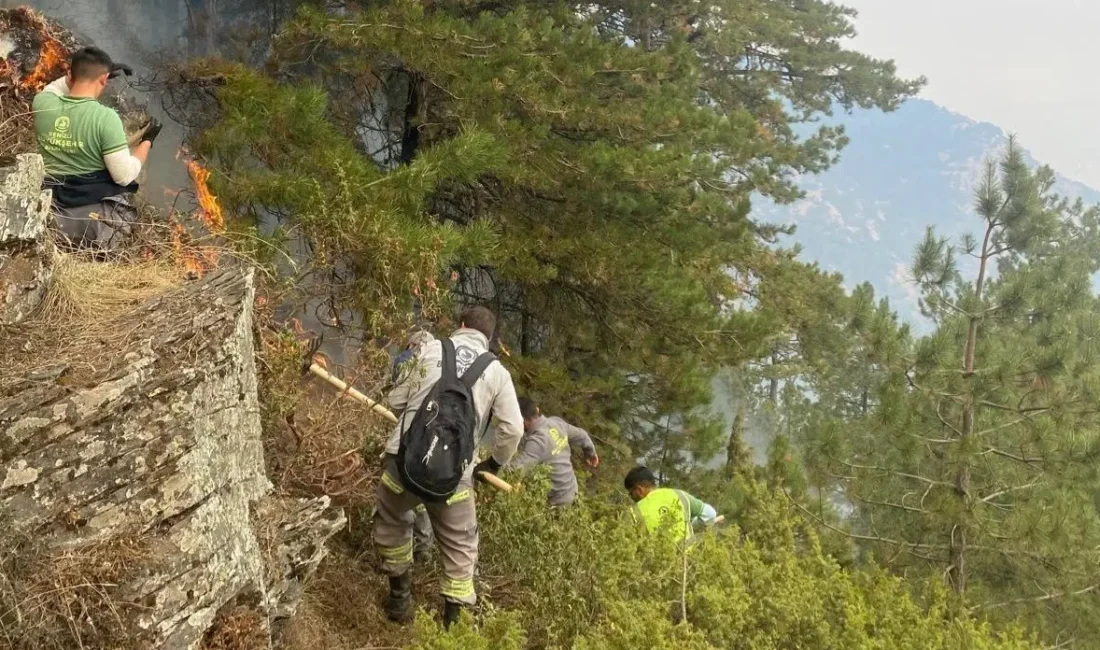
532,453
700,511
580,439
509,420
407,385
123,165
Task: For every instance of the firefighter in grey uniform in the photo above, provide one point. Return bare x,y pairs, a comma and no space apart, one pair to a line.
548,440
455,521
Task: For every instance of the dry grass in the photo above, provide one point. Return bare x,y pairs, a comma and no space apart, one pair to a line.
240,628
16,128
88,316
317,442
342,607
70,598
91,294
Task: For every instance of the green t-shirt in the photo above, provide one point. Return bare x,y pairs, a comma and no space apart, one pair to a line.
74,134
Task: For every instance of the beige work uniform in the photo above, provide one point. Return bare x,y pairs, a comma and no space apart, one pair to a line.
453,523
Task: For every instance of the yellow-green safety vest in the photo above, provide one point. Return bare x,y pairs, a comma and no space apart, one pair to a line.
666,506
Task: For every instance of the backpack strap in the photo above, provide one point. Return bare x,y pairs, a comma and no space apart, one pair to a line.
477,368
450,370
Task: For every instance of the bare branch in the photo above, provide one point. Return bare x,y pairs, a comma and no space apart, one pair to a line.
1008,490
1005,454
1043,598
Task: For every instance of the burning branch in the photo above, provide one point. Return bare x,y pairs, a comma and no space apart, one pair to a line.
198,260
33,39
210,211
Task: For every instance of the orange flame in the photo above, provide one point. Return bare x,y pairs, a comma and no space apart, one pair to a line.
198,260
194,259
210,211
52,63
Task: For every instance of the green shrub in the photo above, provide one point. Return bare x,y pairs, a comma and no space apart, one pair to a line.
585,578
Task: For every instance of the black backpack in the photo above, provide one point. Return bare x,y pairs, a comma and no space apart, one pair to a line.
441,442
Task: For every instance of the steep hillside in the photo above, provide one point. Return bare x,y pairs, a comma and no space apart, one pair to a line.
902,172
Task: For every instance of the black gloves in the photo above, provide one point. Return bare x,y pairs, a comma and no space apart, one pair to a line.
489,465
120,69
152,131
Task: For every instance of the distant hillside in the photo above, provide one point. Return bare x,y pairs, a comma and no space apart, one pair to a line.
901,172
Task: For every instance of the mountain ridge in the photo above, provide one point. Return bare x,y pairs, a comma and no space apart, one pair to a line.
901,172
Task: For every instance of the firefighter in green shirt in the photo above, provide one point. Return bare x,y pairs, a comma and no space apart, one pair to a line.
657,507
90,165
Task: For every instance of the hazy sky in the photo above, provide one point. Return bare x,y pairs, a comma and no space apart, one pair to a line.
1031,67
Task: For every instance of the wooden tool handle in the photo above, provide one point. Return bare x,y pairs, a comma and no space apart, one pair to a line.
352,392
496,481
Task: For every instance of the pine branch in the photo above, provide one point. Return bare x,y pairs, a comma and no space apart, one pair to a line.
899,506
885,470
1017,409
867,538
1017,488
1040,599
1007,425
943,420
1005,454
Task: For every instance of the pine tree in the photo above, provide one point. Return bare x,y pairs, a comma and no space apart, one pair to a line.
739,459
979,462
584,171
783,470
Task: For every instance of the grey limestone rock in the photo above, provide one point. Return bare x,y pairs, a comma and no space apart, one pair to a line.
158,442
26,255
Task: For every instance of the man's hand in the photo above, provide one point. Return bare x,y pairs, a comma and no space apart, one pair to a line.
489,465
152,131
593,461
120,69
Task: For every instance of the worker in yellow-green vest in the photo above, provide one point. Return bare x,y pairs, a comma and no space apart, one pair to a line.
657,506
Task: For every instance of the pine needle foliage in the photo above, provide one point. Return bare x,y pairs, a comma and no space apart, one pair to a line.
585,169
977,462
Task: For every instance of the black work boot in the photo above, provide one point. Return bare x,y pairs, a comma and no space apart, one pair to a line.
451,613
399,603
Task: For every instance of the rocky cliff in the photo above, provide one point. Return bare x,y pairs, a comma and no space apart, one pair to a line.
134,507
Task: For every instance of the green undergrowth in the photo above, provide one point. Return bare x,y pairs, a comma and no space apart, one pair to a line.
584,578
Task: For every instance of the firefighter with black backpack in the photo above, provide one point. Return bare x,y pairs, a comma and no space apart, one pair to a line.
445,406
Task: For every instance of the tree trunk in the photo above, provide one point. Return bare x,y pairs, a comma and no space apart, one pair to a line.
773,383
957,572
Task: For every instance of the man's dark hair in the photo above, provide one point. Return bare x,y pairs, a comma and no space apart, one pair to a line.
480,319
89,63
640,476
528,408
